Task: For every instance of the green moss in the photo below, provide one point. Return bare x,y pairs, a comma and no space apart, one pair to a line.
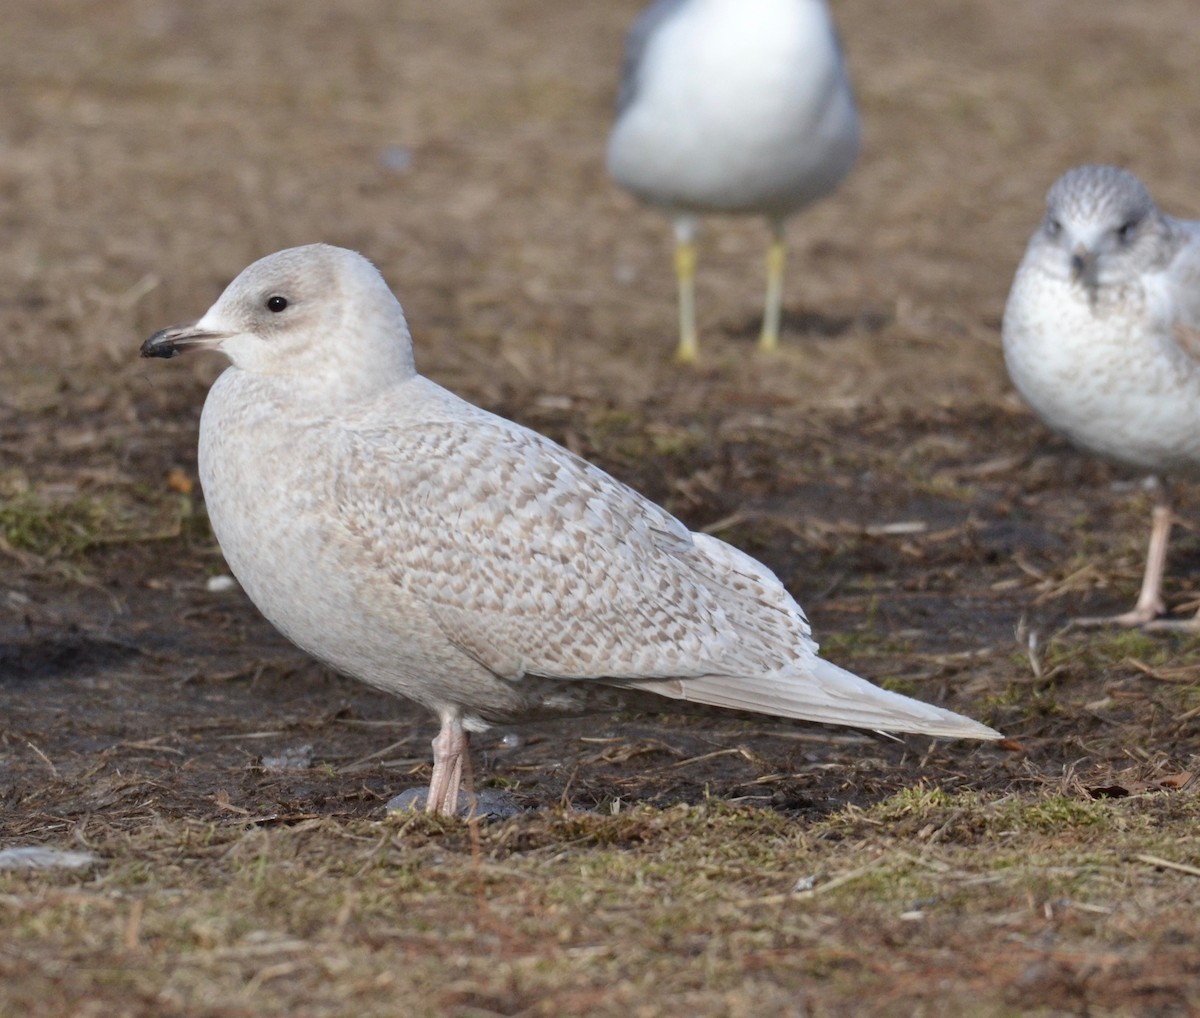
62,529
863,642
51,530
1054,814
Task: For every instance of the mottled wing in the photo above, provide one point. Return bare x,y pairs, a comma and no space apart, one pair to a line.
535,562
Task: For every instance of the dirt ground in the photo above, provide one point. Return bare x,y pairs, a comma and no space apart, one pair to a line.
938,536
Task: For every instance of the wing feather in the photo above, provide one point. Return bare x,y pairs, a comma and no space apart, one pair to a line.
533,561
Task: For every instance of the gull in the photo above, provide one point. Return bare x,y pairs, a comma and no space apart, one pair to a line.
732,106
412,540
1102,339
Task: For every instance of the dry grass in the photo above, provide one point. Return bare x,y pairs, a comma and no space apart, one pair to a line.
149,149
1046,903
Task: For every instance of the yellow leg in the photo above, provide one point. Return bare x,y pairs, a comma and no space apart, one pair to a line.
685,272
773,311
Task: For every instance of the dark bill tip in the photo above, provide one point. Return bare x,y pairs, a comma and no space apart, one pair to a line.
173,340
158,346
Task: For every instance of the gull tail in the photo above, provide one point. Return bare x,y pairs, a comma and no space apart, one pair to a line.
830,695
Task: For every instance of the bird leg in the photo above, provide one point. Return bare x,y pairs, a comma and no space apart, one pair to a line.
685,273
1191,625
1150,603
773,310
451,757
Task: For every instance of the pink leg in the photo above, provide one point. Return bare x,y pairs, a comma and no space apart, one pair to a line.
1191,625
1149,603
450,757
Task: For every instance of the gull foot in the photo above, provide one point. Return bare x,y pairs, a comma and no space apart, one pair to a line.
1140,615
1191,625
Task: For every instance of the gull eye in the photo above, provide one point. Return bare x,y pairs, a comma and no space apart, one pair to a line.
1053,227
1127,230
276,304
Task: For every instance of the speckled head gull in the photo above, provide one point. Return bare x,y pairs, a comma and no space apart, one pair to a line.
439,552
733,106
1101,337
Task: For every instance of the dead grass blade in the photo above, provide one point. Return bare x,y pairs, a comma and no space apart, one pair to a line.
1166,864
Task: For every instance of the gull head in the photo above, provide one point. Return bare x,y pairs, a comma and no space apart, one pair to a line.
317,312
1102,227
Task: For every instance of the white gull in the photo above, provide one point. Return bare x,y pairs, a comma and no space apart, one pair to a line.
1102,339
442,553
733,106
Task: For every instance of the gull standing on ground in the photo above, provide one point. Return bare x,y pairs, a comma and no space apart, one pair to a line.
1102,339
736,106
439,552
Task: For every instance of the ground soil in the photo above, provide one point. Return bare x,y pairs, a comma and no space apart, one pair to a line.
938,536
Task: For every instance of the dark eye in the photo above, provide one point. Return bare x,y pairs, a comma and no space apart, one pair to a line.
276,304
1127,230
1053,227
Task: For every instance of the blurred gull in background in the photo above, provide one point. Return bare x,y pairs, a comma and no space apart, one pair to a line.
734,106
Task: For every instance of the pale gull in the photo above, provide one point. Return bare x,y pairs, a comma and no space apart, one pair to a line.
436,551
1102,339
733,106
